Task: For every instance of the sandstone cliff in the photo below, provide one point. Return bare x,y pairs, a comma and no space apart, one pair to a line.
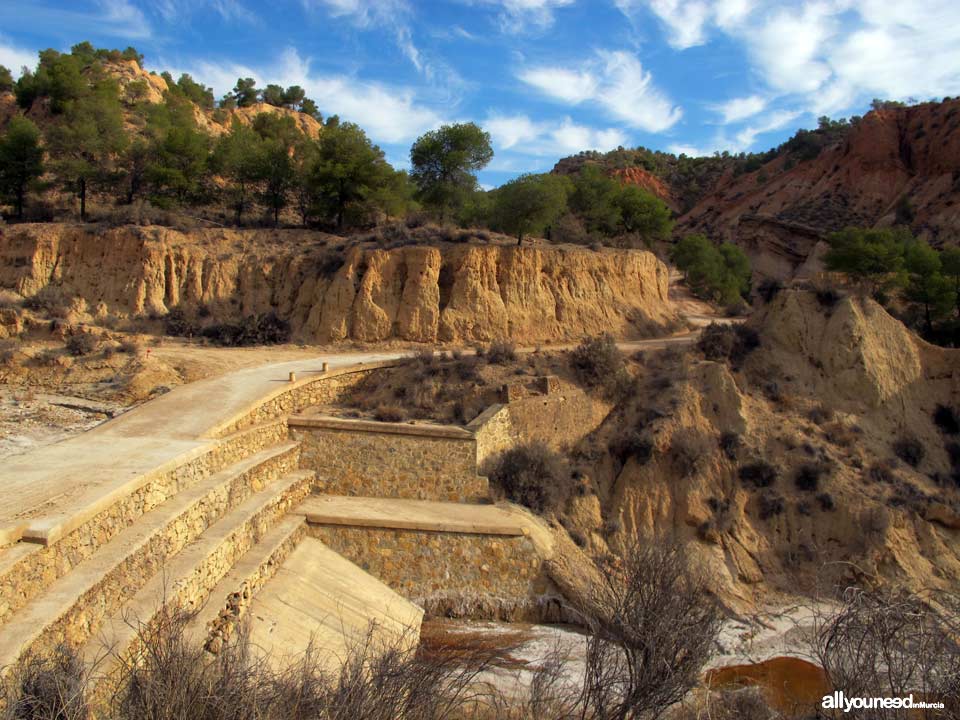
822,404
328,292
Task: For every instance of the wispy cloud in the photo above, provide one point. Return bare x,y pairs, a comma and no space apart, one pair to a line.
14,57
228,10
617,82
518,16
519,133
389,113
105,18
739,109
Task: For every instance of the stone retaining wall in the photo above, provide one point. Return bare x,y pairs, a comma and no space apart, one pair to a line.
23,580
453,574
559,419
375,459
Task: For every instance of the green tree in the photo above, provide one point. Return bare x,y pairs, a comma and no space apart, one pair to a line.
6,79
87,139
595,200
293,96
950,261
178,152
643,215
444,162
926,285
720,274
245,92
348,170
273,95
529,204
277,172
21,161
195,92
868,255
310,108
305,157
238,157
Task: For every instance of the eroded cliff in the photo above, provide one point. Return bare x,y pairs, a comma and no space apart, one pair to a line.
331,292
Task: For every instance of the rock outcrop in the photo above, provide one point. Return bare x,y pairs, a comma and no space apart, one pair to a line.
448,293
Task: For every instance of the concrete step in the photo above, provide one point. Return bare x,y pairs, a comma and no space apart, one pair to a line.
229,600
93,506
320,598
70,608
194,574
403,514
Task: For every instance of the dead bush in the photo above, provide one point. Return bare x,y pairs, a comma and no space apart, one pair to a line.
882,471
653,624
808,475
769,289
46,687
181,322
82,343
631,444
501,352
820,415
532,475
728,342
731,444
946,419
890,645
770,505
50,300
389,413
910,450
759,474
268,329
599,365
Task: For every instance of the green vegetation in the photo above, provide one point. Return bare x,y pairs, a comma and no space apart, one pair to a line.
21,161
890,260
720,273
529,204
6,79
444,162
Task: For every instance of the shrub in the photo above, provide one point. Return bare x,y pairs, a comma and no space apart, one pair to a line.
946,419
910,450
731,444
598,364
828,297
759,474
389,413
770,505
882,472
724,341
131,347
180,322
631,444
46,686
532,475
820,415
501,352
82,344
253,330
807,478
768,289
50,300
685,455
826,502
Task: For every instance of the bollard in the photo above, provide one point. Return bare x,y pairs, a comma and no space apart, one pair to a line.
324,367
293,376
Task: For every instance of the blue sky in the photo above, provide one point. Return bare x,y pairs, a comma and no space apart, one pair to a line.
546,77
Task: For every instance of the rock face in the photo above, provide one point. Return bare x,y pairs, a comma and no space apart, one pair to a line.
450,293
894,160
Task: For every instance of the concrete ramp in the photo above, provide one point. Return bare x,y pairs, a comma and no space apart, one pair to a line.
320,597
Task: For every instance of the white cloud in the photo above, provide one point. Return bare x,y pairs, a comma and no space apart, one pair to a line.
746,137
616,81
739,109
520,134
229,10
571,86
14,58
389,114
517,16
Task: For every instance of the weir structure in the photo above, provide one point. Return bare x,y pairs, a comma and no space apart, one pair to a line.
228,499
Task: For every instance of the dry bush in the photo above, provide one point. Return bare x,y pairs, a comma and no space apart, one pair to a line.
742,704
891,645
51,687
759,474
82,344
731,444
50,300
532,475
598,364
722,341
389,413
267,329
946,419
631,444
910,450
501,352
808,475
653,625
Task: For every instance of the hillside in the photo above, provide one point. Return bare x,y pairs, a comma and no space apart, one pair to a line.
895,165
327,290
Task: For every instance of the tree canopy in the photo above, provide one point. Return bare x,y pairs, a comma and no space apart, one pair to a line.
529,204
21,161
444,164
718,273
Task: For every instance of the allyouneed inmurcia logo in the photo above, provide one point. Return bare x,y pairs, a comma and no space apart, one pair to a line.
839,701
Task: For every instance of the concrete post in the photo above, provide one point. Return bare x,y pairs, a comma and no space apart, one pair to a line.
293,376
324,367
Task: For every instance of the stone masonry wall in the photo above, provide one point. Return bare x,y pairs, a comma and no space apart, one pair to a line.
559,420
453,574
363,458
25,579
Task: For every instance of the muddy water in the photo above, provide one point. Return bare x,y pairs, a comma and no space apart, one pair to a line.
790,685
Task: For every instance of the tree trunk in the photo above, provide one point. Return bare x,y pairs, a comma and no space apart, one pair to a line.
20,194
276,215
519,239
83,199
